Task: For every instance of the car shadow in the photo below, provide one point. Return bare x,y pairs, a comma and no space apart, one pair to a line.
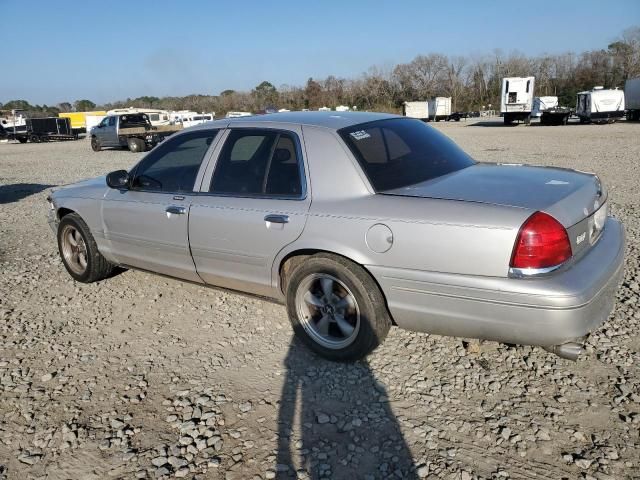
335,421
18,191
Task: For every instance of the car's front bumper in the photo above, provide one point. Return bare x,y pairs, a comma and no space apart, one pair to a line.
538,311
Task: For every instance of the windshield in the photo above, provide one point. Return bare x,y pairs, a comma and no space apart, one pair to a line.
398,152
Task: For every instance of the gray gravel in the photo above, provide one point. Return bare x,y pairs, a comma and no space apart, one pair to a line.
141,376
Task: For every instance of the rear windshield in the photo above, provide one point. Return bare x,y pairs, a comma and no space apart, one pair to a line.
398,152
133,120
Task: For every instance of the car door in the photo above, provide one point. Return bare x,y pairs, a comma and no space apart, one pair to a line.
101,129
147,223
252,203
108,135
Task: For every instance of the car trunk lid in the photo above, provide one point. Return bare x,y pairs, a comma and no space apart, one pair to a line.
568,195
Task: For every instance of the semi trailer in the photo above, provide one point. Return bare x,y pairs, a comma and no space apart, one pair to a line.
632,98
419,110
439,108
516,99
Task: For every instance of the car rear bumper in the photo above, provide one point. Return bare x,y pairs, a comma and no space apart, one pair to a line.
542,311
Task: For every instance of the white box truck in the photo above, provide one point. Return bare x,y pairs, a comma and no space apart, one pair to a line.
632,98
600,105
419,110
516,99
439,108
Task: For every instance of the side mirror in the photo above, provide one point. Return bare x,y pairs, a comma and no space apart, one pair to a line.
118,179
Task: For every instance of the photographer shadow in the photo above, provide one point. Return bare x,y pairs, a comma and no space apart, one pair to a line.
335,421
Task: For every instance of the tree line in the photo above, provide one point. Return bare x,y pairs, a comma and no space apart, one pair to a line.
473,82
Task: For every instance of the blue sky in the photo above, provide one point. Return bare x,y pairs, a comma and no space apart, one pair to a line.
110,50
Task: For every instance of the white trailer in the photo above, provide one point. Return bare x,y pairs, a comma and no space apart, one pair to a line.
516,99
156,117
600,105
439,108
541,104
632,98
92,121
419,110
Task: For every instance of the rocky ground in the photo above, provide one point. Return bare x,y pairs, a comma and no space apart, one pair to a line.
141,376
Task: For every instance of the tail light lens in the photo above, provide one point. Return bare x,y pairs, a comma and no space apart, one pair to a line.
542,243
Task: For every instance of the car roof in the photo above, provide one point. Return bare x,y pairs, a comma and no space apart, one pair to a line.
331,120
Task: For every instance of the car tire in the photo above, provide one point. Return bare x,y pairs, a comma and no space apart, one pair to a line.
345,303
22,139
136,145
79,251
95,144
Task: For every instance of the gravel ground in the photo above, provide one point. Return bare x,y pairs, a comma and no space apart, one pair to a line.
141,376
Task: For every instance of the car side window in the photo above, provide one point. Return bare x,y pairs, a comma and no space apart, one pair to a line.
173,165
112,121
258,162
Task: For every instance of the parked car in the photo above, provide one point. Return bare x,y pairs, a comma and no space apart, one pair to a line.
130,130
357,221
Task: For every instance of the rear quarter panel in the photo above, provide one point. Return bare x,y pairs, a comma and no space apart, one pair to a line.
427,234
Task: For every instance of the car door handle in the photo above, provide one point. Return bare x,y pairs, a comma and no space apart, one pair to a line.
277,218
175,209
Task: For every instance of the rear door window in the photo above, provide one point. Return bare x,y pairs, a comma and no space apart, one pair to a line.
258,162
399,152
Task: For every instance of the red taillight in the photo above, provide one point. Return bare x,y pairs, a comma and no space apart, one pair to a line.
542,242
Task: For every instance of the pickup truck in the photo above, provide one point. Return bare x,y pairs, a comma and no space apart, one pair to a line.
132,130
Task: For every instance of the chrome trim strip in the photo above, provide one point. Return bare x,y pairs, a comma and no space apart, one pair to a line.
532,272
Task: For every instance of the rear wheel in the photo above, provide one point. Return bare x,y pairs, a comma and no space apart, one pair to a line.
336,308
95,144
136,145
34,139
79,251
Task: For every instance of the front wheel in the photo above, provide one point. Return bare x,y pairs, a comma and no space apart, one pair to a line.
79,251
95,144
336,308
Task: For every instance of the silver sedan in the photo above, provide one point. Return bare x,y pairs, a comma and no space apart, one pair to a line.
357,221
